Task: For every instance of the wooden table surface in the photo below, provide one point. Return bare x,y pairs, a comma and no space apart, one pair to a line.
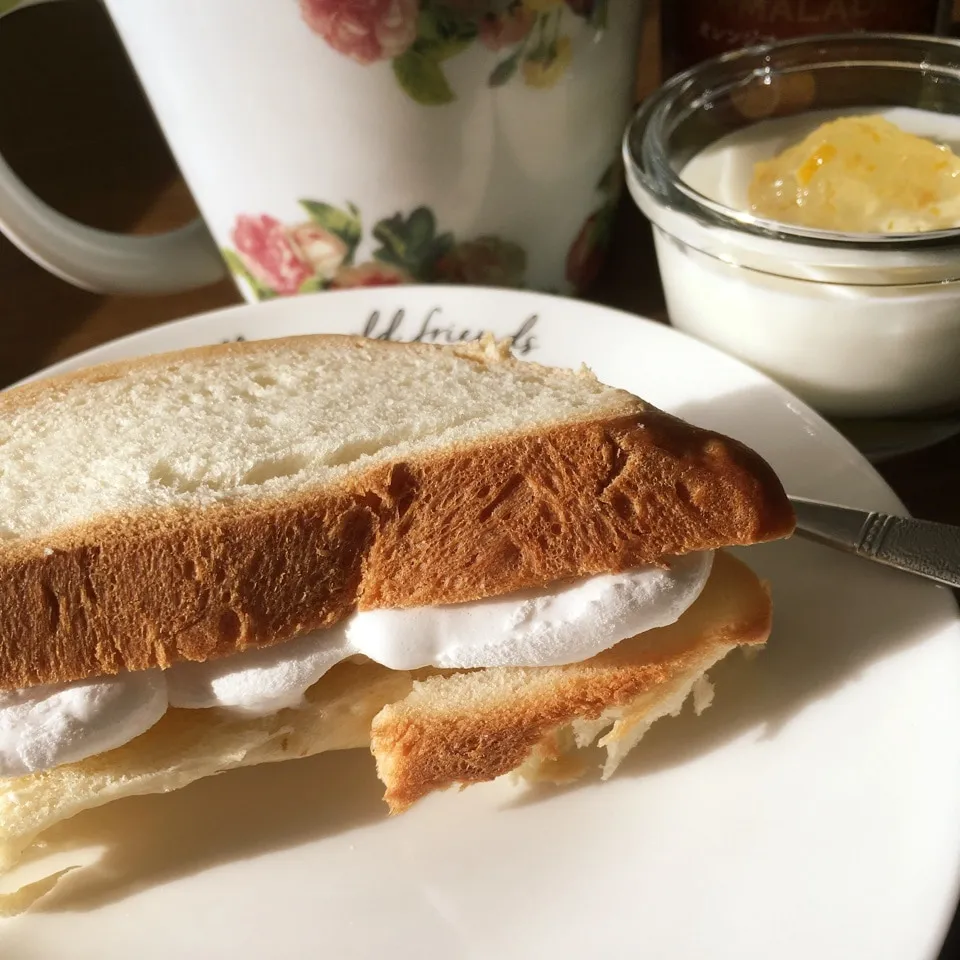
74,125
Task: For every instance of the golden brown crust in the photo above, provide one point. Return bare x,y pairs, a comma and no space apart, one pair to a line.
133,592
469,727
583,498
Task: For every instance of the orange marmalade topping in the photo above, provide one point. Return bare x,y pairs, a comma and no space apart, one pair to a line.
860,175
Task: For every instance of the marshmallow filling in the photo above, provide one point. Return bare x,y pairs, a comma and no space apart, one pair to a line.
47,726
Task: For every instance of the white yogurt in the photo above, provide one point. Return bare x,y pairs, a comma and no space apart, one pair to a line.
854,332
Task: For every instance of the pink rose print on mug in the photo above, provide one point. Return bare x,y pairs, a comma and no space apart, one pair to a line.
276,260
419,36
269,254
323,250
366,30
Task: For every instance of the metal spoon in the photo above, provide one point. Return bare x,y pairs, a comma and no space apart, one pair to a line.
930,550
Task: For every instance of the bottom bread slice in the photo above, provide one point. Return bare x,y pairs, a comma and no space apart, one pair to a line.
471,726
427,730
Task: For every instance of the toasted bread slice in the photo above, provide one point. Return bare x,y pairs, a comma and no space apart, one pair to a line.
428,731
472,726
196,504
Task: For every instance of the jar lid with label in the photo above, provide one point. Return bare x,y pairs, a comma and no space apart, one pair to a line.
695,30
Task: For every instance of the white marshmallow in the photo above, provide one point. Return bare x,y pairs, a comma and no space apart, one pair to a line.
47,726
258,682
534,628
566,623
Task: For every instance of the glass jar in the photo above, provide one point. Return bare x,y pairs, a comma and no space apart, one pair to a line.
695,30
857,324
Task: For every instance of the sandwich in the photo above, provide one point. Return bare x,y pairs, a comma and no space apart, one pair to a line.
469,564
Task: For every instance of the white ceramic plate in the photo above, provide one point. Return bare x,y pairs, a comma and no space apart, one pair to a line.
813,811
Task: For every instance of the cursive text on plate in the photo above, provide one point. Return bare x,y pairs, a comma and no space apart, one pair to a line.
431,329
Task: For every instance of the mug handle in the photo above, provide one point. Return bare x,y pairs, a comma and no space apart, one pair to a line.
100,260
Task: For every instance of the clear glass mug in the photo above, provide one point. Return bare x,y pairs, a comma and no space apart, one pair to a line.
331,144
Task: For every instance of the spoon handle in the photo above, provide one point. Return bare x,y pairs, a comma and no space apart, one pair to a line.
927,549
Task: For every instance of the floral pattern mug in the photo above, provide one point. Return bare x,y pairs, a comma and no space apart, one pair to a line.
343,143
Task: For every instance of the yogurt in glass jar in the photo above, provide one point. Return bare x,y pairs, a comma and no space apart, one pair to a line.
858,324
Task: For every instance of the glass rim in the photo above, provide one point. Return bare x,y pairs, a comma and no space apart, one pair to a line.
648,164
